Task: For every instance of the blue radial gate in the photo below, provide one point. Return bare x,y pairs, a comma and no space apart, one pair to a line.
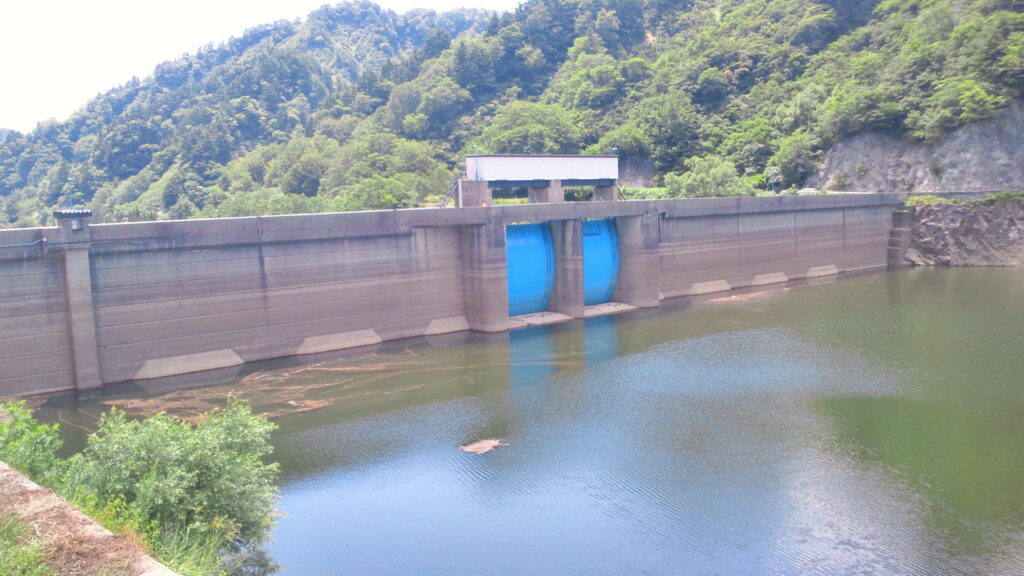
600,261
531,267
530,256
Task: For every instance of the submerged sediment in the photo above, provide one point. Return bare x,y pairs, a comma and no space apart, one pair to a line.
974,234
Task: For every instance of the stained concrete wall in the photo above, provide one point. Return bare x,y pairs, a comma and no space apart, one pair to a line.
728,243
168,298
197,295
35,349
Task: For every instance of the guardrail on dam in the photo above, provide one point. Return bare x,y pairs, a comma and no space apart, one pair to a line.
81,306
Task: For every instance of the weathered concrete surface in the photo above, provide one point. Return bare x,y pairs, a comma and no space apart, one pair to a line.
863,227
554,193
606,309
639,282
567,295
169,298
485,276
76,543
986,156
971,235
473,194
35,345
268,299
81,321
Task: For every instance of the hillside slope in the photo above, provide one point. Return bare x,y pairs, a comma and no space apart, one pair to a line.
357,107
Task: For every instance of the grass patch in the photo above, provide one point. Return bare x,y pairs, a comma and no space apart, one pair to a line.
20,555
640,193
930,200
994,199
1008,197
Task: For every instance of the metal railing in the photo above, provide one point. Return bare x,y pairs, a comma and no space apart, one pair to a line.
451,194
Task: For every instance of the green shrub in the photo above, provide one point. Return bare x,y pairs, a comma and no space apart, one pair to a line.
209,479
929,200
639,193
708,177
509,201
27,445
1002,198
838,182
200,497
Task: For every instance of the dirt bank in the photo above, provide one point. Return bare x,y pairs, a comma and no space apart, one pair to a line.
76,545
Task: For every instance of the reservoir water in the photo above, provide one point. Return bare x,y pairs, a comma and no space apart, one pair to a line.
870,424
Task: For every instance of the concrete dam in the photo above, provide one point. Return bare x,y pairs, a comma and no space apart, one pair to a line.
82,306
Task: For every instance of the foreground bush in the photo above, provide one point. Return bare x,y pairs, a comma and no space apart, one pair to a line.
201,497
27,445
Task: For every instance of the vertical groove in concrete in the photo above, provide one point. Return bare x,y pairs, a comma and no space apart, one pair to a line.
264,291
81,319
845,251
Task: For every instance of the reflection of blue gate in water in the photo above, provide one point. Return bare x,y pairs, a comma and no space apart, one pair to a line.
600,261
532,357
531,267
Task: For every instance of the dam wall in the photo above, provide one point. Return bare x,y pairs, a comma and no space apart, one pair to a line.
35,346
115,302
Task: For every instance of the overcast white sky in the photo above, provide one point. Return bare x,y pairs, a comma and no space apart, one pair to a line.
57,54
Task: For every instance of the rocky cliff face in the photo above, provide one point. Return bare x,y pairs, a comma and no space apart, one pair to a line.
975,234
983,156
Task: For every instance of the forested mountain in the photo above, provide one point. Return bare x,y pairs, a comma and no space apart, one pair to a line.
356,107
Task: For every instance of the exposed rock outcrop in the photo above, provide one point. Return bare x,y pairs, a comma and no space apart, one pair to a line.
982,156
974,234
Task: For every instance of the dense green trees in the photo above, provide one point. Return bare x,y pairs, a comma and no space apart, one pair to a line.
531,128
707,177
360,108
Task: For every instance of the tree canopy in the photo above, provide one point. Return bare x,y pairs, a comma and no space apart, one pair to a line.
357,107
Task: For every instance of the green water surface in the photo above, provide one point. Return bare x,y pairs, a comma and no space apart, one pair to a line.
867,424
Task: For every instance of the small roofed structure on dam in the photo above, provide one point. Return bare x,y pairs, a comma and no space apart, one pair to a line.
544,176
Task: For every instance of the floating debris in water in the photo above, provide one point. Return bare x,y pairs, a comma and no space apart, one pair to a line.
481,446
